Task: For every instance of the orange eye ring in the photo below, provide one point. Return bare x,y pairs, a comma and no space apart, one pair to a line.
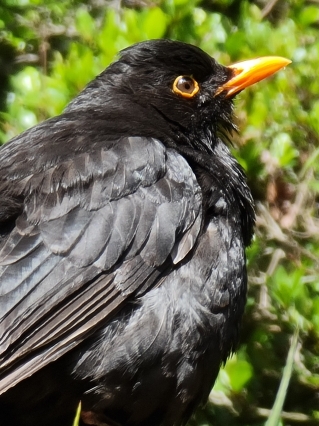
185,86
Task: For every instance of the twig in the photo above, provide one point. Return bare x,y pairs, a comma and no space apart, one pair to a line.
295,417
268,8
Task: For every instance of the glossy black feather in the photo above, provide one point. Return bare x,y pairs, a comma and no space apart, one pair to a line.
123,224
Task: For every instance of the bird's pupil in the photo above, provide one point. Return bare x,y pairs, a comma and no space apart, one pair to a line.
186,84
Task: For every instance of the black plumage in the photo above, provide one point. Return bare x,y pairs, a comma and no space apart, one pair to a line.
123,224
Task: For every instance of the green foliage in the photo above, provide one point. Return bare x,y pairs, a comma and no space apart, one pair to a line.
50,50
235,375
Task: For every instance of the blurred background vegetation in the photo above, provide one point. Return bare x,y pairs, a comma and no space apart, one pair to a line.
49,50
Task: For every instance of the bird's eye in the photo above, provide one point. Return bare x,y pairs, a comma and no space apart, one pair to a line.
185,86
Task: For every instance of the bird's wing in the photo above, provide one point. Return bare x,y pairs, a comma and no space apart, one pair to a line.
92,230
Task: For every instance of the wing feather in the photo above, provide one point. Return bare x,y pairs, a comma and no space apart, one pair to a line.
97,229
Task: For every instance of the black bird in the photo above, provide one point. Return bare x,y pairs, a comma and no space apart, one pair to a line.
123,226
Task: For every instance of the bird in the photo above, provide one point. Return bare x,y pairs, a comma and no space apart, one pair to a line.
123,228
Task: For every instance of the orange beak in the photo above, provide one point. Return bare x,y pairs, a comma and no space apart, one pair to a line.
250,72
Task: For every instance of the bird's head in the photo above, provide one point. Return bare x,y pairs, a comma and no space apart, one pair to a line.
169,89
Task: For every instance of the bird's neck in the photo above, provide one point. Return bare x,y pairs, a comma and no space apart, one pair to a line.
224,185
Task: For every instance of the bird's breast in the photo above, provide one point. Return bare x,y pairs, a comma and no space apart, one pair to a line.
171,344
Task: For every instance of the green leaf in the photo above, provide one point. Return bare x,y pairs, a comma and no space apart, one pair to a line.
235,375
282,148
85,24
239,373
309,15
154,24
